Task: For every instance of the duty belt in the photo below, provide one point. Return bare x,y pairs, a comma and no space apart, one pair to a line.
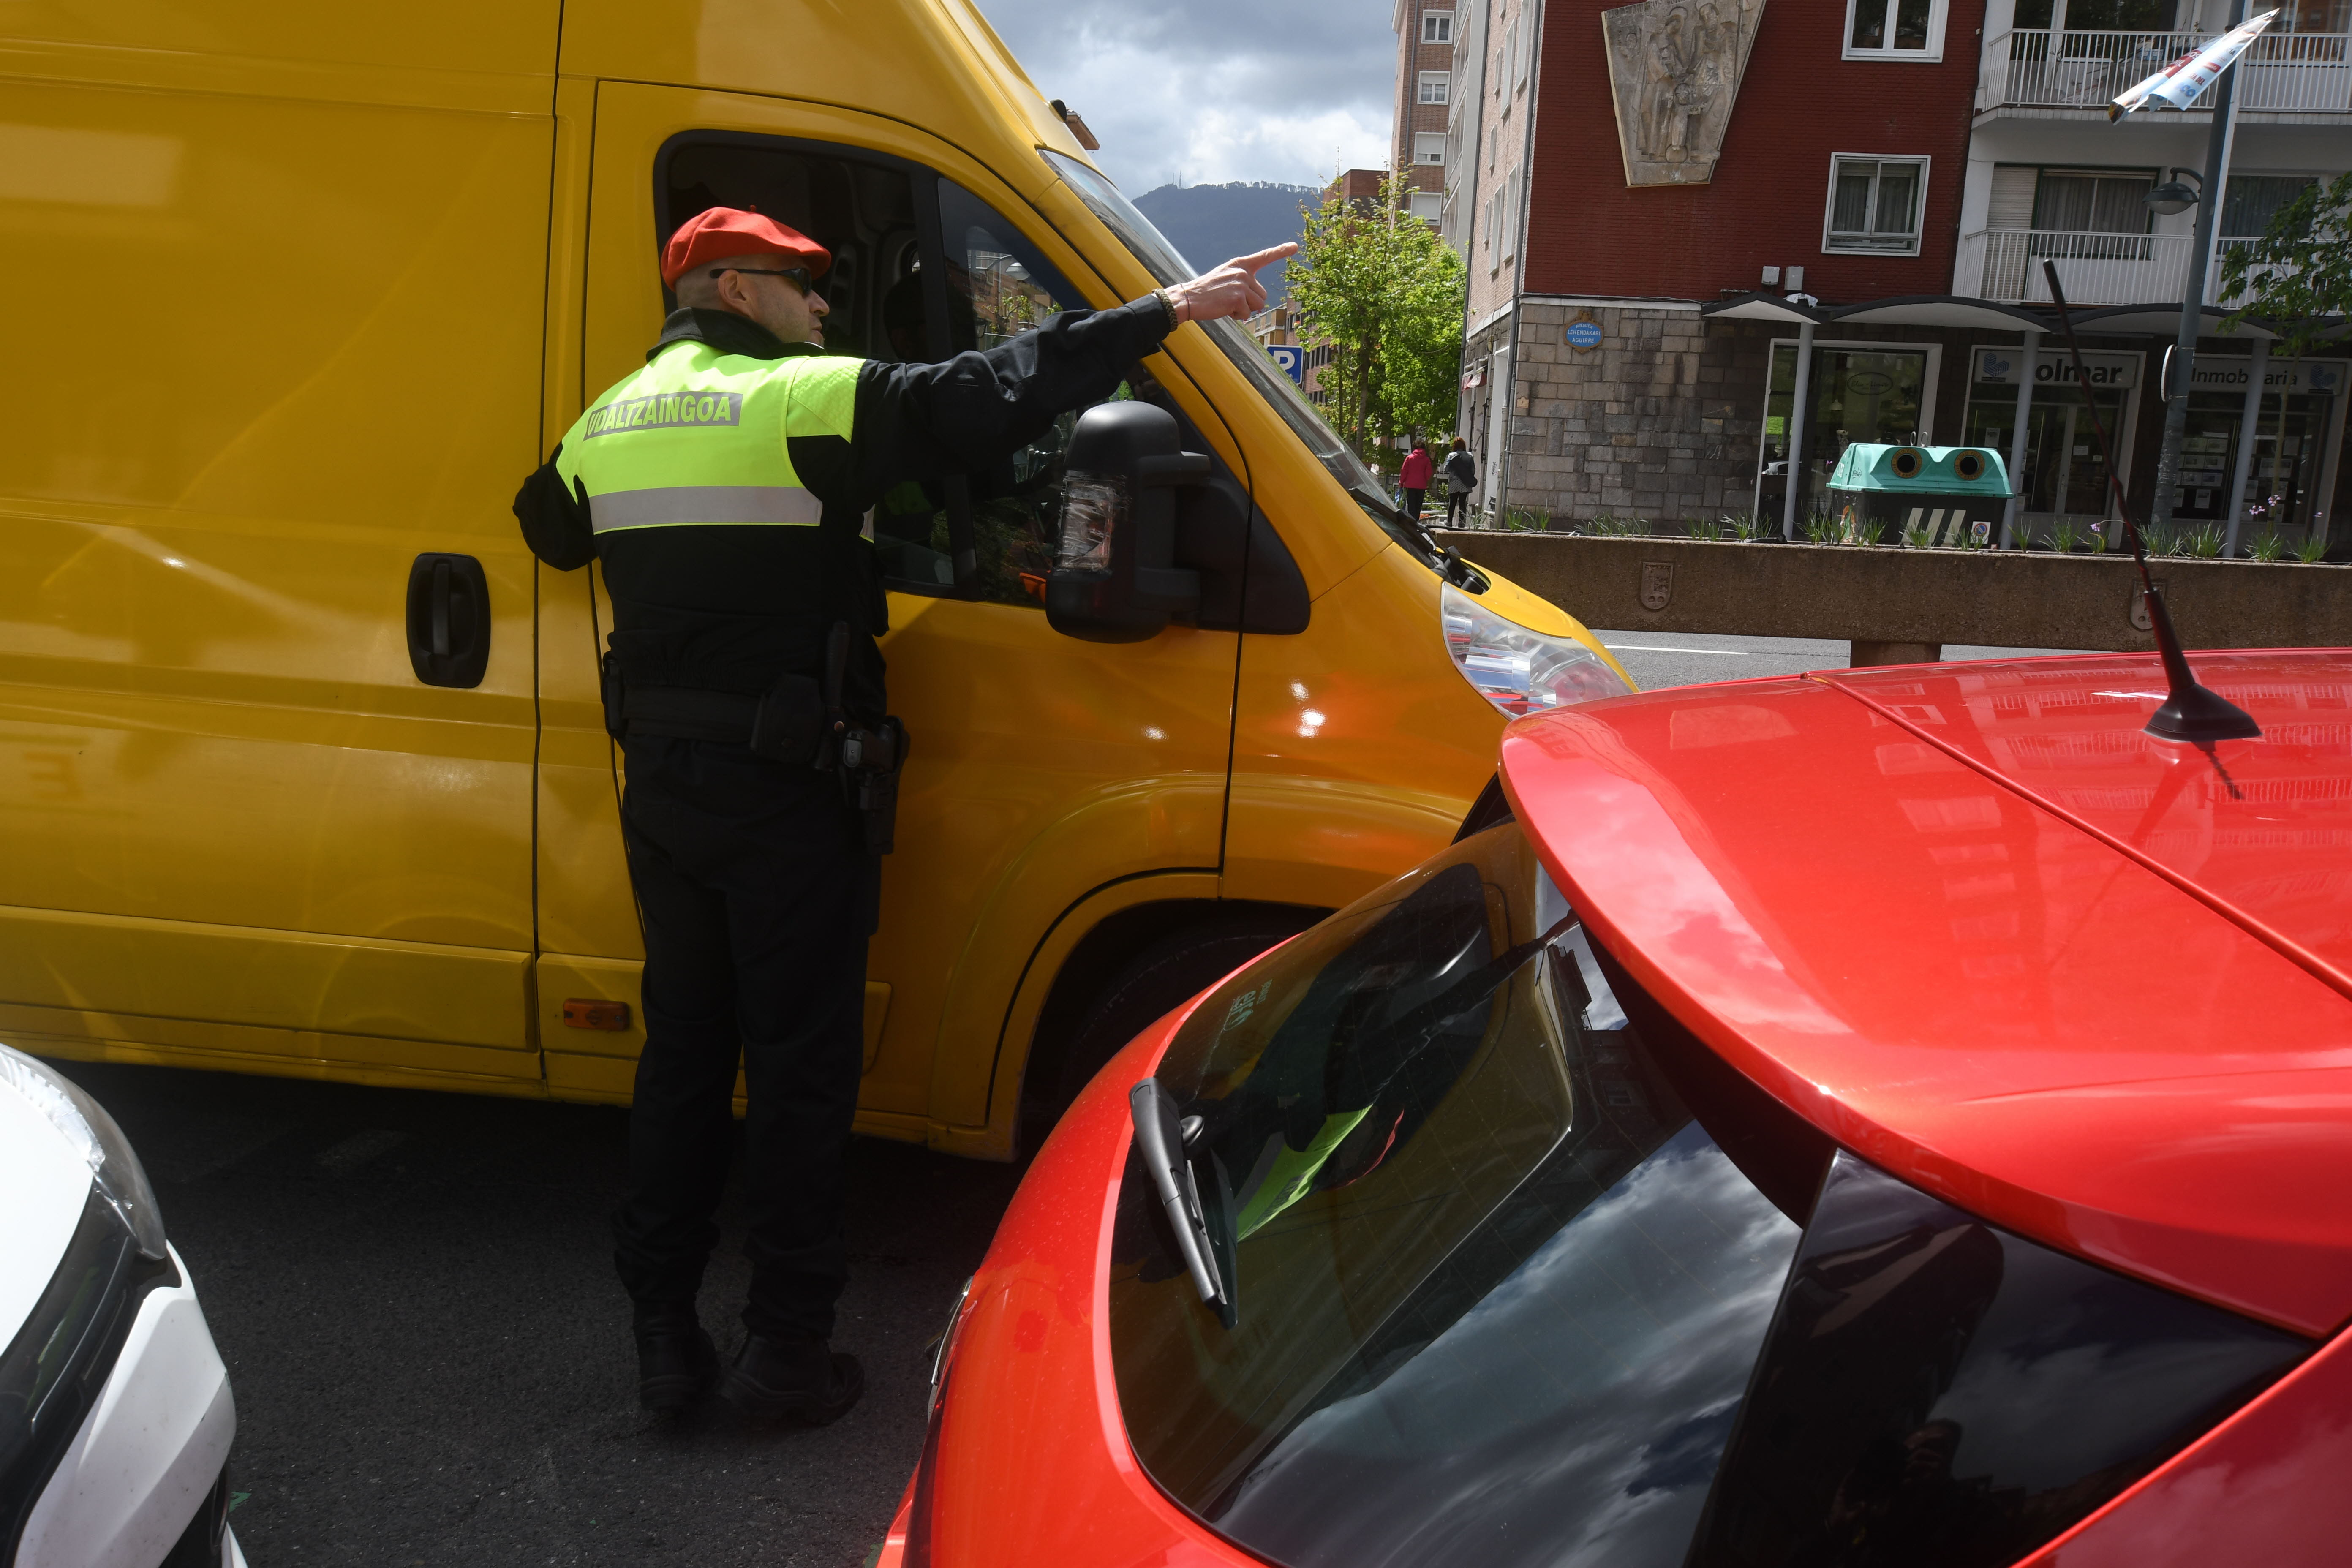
796,721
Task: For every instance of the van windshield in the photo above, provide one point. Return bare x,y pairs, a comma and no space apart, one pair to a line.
1167,265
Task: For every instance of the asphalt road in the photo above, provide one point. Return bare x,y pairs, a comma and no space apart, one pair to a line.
1682,659
432,1360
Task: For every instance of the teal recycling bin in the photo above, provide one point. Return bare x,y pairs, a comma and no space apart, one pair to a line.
1946,497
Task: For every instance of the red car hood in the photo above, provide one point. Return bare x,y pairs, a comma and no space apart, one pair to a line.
1975,925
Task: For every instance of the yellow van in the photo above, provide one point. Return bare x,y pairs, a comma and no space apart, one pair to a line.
301,755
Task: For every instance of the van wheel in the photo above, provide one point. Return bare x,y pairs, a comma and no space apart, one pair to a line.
1163,973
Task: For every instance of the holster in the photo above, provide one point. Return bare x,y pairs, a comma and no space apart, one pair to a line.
871,761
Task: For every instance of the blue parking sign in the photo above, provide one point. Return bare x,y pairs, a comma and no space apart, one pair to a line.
1292,359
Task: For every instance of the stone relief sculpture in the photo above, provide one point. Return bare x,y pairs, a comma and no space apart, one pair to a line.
1673,69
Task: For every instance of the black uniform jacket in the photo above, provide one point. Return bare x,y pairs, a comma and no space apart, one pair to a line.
728,608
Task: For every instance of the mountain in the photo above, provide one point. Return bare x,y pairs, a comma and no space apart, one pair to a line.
1209,224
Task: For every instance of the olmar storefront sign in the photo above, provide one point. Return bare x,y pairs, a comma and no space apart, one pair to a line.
2001,367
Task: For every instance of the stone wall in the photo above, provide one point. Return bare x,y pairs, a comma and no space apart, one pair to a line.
1660,421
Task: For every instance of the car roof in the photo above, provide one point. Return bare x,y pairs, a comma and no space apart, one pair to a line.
1974,923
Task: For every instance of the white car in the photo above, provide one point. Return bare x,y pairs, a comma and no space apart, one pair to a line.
115,1414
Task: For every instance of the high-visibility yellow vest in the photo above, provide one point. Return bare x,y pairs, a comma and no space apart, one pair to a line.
698,437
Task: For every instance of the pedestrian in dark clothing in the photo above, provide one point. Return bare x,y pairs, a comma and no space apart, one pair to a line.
1460,478
1414,478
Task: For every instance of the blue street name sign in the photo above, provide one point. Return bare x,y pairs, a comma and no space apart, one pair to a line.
1584,334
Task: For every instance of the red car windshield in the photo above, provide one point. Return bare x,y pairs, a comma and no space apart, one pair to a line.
1522,1274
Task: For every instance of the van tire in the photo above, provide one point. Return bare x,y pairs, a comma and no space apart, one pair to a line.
1160,975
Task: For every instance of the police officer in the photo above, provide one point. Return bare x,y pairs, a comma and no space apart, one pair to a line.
723,486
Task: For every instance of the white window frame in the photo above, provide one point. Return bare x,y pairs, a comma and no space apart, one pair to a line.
1918,207
1437,27
1511,193
1442,80
1425,142
1427,206
1931,55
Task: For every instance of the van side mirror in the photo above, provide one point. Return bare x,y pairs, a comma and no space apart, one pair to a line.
1115,576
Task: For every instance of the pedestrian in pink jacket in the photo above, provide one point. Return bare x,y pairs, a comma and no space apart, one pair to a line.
1414,479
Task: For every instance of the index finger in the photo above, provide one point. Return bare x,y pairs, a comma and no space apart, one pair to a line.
1265,258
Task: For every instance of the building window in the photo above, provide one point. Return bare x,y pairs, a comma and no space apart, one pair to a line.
1875,204
1895,29
2093,201
1429,148
1437,27
2254,199
1433,87
1427,204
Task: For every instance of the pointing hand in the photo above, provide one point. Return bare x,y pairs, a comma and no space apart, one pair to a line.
1231,290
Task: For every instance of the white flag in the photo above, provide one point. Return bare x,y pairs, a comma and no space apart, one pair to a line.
2180,83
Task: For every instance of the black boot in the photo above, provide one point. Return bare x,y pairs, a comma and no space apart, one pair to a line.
677,1363
797,1381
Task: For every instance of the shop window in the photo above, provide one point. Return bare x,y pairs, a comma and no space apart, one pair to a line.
1429,148
1432,86
1437,27
1859,393
1895,29
2065,475
1875,204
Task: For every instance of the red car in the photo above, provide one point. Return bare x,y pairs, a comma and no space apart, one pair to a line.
1893,1117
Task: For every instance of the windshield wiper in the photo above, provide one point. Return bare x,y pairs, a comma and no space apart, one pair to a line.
1164,1141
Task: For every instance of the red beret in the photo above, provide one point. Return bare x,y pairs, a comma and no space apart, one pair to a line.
718,233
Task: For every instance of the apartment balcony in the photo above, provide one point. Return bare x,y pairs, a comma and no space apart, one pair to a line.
2005,265
2286,74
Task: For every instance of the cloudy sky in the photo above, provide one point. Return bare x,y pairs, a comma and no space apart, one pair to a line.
1214,90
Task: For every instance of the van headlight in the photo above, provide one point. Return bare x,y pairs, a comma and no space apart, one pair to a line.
1519,671
120,1180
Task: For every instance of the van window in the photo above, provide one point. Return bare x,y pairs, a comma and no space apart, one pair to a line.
987,535
999,287
1167,266
861,211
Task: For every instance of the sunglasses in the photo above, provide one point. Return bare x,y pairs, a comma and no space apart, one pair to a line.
799,275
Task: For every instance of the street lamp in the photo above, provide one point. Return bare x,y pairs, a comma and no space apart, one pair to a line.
2174,195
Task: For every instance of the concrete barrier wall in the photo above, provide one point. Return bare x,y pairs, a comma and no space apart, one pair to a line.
1890,596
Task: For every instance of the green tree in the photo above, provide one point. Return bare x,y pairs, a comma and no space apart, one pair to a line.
2298,275
1379,286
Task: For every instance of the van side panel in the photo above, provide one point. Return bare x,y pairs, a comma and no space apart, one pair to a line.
292,340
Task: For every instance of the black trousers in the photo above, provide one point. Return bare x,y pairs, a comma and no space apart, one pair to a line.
1413,502
753,878
1457,504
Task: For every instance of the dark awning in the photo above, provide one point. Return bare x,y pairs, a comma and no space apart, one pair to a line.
1771,307
1941,310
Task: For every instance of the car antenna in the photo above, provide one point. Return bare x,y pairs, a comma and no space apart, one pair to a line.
2191,712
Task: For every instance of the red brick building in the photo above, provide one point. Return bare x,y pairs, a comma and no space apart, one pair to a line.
1424,83
1662,204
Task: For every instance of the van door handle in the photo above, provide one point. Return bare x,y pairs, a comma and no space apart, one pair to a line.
449,620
